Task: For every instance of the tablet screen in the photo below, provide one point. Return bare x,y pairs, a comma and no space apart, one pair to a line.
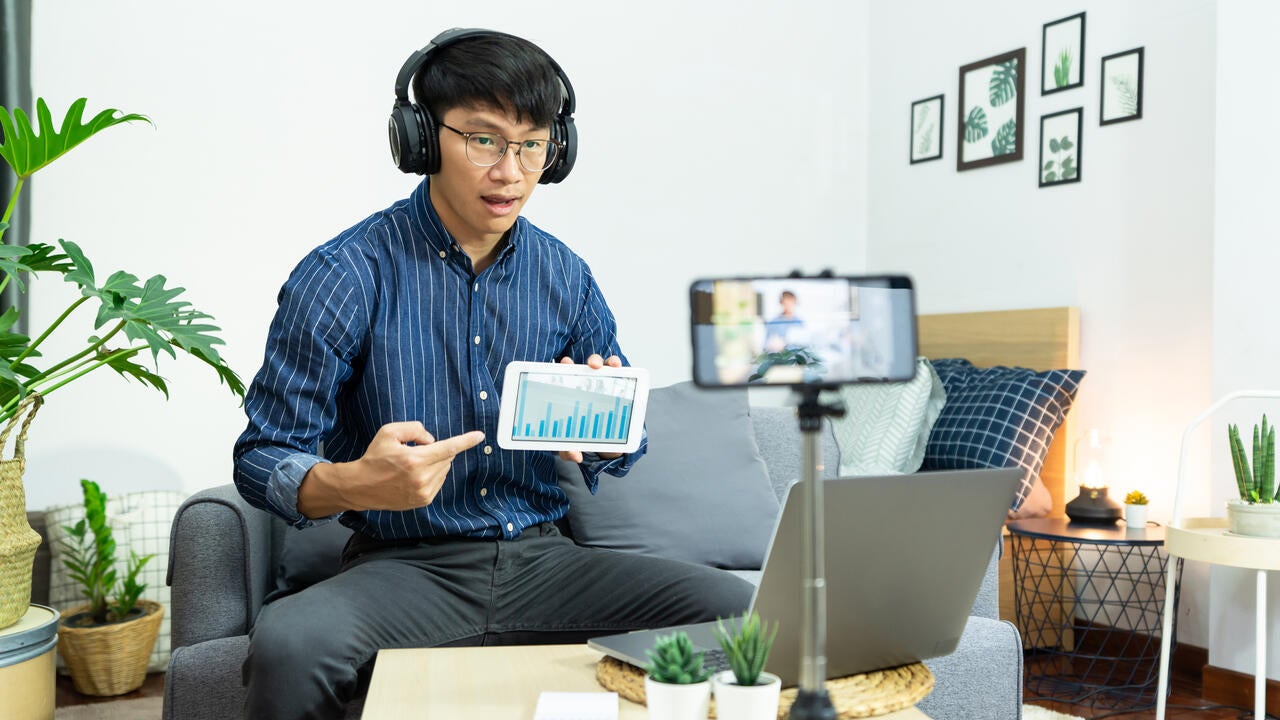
552,406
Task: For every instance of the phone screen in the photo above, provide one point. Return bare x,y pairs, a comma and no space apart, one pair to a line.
803,331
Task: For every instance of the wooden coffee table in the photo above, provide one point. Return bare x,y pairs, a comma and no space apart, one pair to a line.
491,683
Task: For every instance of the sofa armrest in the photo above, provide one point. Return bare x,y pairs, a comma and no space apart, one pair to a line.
220,566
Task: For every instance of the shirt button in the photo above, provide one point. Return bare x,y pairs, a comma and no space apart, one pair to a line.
484,395
511,527
443,253
484,491
477,287
476,340
488,449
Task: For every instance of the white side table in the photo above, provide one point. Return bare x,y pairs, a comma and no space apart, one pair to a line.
27,651
1207,540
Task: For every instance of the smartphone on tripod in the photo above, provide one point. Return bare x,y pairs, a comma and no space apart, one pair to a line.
803,331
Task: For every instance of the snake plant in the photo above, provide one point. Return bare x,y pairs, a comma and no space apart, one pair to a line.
1255,480
133,316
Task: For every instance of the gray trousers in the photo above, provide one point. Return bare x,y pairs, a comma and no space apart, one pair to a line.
311,652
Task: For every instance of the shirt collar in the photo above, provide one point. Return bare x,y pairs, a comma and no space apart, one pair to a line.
437,238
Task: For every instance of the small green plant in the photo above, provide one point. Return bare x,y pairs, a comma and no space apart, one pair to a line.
1062,70
91,559
673,660
1135,497
747,646
1256,480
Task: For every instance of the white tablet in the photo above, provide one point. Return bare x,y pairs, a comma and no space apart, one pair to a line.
550,406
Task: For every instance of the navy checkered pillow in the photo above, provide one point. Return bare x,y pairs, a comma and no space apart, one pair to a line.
998,417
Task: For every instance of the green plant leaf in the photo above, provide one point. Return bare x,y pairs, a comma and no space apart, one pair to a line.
1062,69
1053,145
1006,139
1050,177
124,365
1003,85
1065,143
1068,173
27,149
975,125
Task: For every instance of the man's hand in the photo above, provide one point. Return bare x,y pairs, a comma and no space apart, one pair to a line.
402,469
595,362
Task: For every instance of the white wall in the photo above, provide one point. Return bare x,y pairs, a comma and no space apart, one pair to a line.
696,123
1246,255
1131,244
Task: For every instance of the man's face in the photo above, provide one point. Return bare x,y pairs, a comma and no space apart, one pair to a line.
479,204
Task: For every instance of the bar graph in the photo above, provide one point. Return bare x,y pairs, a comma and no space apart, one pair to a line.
573,407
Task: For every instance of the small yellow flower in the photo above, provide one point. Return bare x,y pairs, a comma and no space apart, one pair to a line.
1135,497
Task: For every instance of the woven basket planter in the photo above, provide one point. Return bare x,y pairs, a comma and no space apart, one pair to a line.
109,659
18,542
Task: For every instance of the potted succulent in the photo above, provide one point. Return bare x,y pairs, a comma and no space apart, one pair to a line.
1135,510
1257,511
134,318
746,691
676,686
106,642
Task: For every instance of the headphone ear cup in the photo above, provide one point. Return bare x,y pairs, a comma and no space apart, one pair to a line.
564,131
413,139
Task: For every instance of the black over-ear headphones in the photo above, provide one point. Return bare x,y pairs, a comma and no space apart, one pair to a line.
414,132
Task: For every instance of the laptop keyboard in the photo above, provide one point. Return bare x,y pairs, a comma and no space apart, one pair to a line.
715,660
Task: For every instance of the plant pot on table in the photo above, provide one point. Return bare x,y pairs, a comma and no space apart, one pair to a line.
109,659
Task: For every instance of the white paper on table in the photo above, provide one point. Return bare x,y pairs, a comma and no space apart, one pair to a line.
577,706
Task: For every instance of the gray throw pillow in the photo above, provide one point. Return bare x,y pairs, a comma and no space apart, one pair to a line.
701,494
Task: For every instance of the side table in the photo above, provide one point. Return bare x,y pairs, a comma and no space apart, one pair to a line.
27,677
1089,599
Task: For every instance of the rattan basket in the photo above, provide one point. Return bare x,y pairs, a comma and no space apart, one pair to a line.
18,542
109,659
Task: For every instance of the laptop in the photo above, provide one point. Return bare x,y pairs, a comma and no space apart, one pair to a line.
906,555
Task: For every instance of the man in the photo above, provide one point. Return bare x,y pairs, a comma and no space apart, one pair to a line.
388,346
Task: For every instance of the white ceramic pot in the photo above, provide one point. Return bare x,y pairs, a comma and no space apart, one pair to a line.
1257,520
746,702
677,702
1135,516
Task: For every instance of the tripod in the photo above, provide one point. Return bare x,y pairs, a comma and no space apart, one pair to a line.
812,701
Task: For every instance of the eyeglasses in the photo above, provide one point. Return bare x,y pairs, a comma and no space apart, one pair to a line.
487,149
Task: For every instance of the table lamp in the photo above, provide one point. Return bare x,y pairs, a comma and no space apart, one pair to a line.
1091,505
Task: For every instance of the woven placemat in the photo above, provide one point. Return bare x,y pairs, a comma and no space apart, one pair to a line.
855,696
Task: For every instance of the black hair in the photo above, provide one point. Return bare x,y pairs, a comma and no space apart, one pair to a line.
501,71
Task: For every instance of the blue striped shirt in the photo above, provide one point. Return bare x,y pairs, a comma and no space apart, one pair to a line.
388,322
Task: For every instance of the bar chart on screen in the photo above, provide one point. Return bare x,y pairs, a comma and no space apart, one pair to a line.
573,407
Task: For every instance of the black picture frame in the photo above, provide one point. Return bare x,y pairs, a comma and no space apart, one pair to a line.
928,119
1062,139
1120,98
992,94
1065,35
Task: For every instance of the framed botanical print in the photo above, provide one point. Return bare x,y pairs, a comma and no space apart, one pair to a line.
1060,136
1121,87
990,112
1062,55
926,129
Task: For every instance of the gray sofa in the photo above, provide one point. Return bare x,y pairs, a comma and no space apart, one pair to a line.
225,557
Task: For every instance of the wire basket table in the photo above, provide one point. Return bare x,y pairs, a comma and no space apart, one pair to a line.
1089,600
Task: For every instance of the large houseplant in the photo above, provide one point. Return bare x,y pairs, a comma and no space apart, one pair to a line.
133,318
107,641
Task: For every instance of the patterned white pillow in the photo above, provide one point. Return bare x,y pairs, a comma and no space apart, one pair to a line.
886,425
140,521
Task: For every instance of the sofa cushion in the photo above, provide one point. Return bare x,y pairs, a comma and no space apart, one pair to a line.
999,417
701,493
886,426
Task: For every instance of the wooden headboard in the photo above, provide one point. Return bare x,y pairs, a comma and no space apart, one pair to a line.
1040,339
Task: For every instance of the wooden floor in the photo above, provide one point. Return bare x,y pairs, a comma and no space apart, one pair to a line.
1184,701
